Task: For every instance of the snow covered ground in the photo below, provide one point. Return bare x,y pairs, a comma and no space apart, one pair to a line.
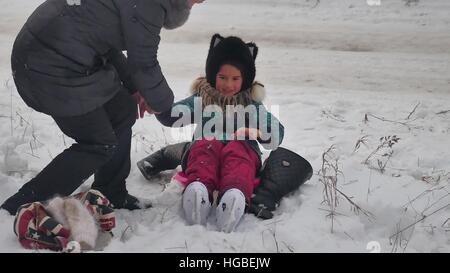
344,73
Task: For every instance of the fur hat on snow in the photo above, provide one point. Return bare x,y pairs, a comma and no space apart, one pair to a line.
80,222
231,50
74,216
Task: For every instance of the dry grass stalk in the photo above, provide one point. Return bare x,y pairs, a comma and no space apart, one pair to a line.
404,123
417,221
443,112
333,116
414,110
386,150
362,140
328,176
355,207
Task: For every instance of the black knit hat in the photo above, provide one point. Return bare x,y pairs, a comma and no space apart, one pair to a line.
231,50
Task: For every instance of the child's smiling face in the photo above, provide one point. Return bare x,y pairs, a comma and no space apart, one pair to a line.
229,80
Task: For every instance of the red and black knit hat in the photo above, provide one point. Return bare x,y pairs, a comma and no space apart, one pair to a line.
231,50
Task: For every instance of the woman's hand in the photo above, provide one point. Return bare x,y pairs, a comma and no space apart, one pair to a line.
193,2
142,106
243,133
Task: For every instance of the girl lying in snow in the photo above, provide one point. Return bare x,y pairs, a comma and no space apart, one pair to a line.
224,156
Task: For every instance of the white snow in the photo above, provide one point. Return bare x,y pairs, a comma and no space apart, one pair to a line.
328,67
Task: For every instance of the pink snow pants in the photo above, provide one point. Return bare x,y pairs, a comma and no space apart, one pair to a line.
222,167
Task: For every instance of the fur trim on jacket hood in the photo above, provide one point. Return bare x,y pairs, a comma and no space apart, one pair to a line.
210,95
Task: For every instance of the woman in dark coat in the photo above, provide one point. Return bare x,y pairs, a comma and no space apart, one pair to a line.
67,62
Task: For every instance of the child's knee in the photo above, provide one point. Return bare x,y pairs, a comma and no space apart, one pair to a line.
235,146
239,150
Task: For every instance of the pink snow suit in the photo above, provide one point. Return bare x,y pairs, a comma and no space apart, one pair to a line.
221,166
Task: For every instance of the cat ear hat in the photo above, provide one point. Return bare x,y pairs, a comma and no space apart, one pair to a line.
231,50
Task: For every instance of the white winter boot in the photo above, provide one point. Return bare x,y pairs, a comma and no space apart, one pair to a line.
230,210
196,203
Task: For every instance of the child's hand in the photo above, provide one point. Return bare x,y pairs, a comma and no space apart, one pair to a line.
142,106
250,133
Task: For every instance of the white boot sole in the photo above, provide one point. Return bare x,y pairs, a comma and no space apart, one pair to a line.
230,210
196,203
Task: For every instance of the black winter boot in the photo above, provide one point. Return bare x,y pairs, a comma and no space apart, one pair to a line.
167,158
133,203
